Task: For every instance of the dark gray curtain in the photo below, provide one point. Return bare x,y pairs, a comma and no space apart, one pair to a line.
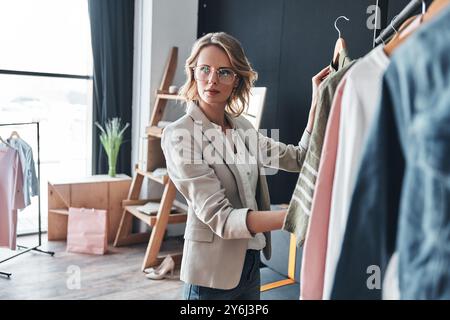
112,24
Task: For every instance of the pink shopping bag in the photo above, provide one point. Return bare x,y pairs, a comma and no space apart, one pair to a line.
87,231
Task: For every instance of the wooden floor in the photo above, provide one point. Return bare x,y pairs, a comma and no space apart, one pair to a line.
115,275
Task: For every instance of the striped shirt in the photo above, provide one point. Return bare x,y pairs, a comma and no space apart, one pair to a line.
299,209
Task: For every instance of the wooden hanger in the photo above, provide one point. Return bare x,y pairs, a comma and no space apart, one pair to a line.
14,133
435,7
340,43
399,37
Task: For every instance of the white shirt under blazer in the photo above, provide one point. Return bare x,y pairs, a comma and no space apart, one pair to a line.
216,235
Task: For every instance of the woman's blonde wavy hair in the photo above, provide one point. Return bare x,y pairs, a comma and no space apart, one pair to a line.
238,100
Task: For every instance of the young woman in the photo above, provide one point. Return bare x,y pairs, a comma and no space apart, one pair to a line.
209,161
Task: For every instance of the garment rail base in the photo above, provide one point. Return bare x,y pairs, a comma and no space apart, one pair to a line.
26,249
39,250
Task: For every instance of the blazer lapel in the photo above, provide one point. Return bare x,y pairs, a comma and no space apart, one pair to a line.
209,132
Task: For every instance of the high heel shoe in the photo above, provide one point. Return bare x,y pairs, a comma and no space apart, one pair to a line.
149,270
161,272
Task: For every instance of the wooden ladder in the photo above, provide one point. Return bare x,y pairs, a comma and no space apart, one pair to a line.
155,157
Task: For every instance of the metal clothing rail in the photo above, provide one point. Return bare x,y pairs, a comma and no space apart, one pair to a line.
407,12
35,248
377,9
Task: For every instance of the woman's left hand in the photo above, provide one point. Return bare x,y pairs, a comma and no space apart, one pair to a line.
316,81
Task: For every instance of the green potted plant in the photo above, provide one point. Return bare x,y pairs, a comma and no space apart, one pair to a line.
112,138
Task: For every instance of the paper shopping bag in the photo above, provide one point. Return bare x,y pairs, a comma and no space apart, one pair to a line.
87,231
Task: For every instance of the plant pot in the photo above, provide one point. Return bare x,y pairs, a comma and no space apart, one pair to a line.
112,162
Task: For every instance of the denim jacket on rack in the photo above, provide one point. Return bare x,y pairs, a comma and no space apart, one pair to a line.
404,178
422,107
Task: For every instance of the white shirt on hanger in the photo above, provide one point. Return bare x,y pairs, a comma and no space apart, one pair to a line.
359,102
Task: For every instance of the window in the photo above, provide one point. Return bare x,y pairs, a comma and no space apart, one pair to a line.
46,76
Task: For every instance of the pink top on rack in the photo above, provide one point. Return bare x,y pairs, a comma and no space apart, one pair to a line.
11,195
315,248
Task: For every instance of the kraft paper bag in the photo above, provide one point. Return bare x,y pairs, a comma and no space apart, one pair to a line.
87,231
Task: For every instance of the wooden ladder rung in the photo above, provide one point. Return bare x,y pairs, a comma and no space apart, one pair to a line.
174,217
177,204
164,179
62,211
154,131
169,96
140,202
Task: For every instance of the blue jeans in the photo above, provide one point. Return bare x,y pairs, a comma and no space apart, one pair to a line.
247,289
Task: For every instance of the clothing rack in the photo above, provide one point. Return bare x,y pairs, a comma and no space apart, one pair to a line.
35,248
407,12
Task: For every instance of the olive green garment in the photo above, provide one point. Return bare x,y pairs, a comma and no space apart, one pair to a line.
298,213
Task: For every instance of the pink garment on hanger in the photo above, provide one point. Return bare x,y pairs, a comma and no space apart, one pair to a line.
11,195
315,248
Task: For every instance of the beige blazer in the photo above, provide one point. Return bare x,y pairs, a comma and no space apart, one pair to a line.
216,235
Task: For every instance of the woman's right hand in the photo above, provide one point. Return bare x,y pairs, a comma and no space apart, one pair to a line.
316,81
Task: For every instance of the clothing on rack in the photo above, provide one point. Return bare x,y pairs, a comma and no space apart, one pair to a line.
30,185
300,205
418,84
390,288
314,250
404,177
11,195
359,102
12,173
369,237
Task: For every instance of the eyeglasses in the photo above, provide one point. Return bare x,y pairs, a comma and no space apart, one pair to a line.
225,75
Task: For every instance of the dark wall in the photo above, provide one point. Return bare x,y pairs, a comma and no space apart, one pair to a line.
288,42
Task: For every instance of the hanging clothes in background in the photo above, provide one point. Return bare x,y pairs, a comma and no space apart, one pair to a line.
11,194
299,208
30,185
404,178
359,102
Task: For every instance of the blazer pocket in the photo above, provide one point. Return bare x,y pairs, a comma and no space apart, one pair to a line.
199,234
